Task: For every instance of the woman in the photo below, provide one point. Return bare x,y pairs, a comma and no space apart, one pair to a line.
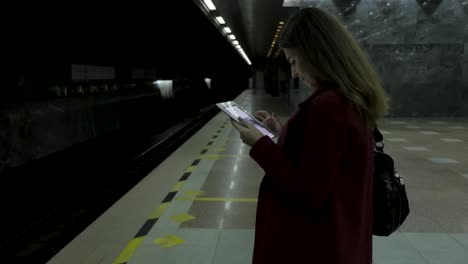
315,200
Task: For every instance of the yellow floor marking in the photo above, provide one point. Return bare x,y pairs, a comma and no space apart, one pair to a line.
129,250
169,241
178,186
182,217
191,169
158,212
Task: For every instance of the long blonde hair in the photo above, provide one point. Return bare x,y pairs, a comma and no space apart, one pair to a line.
337,57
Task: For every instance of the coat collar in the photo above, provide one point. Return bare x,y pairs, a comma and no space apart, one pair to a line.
324,86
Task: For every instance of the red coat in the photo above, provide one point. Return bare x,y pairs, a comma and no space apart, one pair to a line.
315,200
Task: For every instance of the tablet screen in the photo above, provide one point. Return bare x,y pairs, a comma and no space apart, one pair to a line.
235,112
260,127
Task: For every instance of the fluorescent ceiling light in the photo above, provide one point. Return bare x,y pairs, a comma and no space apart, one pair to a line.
232,36
235,42
237,46
293,2
209,4
165,87
208,82
220,20
227,29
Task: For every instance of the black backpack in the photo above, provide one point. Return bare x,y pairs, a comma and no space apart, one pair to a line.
390,200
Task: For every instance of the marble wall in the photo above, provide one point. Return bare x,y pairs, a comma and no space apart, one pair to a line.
419,48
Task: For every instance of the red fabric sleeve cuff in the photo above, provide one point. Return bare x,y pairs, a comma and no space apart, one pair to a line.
259,150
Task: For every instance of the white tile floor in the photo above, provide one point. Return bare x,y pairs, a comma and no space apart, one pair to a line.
242,240
438,123
429,133
396,139
398,122
443,160
438,248
396,249
416,148
451,140
462,239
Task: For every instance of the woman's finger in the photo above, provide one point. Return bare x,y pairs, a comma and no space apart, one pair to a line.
238,126
261,114
245,123
235,124
276,118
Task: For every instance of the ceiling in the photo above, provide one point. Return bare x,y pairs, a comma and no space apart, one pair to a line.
253,22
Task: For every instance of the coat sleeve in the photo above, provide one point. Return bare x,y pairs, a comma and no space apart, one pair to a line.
309,178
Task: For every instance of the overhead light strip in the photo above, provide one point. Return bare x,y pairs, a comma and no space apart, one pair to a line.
290,3
220,20
209,4
209,10
275,38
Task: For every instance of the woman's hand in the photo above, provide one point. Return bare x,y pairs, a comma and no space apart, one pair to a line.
248,132
269,121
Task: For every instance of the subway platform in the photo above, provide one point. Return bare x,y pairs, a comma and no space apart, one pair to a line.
199,205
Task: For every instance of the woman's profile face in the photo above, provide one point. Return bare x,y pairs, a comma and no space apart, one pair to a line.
300,68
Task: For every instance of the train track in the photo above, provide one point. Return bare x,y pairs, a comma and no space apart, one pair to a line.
47,232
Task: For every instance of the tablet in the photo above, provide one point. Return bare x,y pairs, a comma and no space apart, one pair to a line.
233,110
